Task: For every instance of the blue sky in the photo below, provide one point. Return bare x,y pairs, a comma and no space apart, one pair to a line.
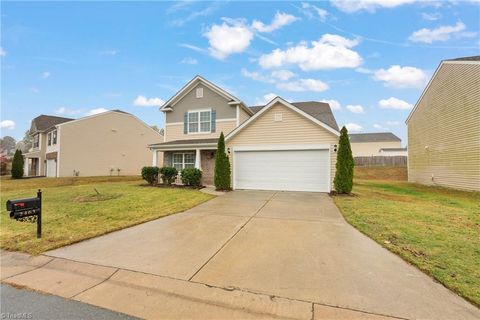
370,59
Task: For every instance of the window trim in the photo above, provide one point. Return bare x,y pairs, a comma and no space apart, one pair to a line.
199,122
183,163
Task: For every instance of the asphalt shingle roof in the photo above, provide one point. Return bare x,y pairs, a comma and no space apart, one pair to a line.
319,110
471,58
373,137
44,122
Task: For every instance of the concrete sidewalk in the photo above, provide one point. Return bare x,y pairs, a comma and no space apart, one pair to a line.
245,255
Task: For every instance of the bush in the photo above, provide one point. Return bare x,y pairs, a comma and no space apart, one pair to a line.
168,174
191,177
222,166
17,165
343,180
150,174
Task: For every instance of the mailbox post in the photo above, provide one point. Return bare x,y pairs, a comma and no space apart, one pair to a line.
29,209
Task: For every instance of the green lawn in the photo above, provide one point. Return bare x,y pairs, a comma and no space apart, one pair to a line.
73,211
435,229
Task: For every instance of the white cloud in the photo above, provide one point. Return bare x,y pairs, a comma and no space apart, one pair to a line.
274,77
189,61
142,101
364,70
401,77
7,124
232,36
283,75
279,20
431,16
355,108
442,33
394,103
45,75
308,8
334,104
393,123
68,111
96,111
109,52
380,127
3,53
329,52
192,47
301,85
266,99
351,6
353,127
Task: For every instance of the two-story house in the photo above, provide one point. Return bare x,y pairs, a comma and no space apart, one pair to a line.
104,144
279,146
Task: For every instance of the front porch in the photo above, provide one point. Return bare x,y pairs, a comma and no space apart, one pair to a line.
181,154
33,165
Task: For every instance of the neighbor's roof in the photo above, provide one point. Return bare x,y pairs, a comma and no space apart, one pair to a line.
319,110
185,142
44,122
393,149
471,58
373,137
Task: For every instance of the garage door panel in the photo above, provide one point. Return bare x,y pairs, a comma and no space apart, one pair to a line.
292,170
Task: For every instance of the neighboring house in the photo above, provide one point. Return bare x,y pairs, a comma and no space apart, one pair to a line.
109,143
369,144
279,146
444,127
392,152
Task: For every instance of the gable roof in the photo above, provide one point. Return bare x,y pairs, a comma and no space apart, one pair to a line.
463,60
373,137
289,105
319,110
44,122
232,100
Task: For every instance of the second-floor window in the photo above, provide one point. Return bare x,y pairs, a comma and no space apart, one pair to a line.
54,137
199,121
49,139
36,140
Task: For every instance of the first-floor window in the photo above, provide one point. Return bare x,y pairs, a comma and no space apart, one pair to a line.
183,160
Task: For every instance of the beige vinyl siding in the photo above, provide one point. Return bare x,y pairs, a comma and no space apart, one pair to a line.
444,130
210,100
107,141
367,149
244,116
293,129
175,131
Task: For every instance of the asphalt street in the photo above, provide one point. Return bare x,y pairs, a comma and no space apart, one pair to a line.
26,304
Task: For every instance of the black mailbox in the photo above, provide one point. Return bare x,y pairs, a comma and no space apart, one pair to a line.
29,209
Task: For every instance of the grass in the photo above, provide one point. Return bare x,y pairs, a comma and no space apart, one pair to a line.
74,211
433,228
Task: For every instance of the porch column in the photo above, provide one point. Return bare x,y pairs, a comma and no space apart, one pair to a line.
154,161
25,167
198,163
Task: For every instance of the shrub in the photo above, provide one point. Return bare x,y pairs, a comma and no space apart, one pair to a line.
343,180
150,174
191,177
168,174
222,166
17,165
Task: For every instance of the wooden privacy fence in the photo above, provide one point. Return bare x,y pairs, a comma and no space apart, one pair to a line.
381,161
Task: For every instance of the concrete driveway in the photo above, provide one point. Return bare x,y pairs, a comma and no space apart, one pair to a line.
286,245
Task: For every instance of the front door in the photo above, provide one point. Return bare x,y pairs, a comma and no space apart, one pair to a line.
51,168
207,162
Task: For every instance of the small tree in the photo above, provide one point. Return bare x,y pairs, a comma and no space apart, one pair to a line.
17,165
343,181
222,166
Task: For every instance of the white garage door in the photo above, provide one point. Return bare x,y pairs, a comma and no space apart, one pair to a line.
291,170
51,168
